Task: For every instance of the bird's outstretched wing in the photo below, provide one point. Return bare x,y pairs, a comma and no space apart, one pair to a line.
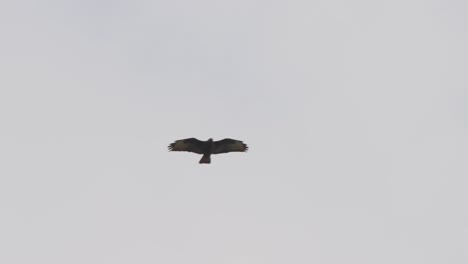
229,145
188,144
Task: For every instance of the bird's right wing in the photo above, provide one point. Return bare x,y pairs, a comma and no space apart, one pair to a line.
189,144
229,145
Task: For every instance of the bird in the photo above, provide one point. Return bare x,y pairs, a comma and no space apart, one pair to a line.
206,148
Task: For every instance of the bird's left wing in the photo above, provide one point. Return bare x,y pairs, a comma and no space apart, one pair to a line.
188,144
229,145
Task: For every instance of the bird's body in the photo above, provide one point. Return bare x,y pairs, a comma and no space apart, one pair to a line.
206,148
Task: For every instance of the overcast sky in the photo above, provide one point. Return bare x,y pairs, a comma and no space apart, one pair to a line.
355,113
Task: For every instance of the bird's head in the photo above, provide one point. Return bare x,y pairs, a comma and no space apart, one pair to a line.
210,140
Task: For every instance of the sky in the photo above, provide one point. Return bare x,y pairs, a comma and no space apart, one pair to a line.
355,113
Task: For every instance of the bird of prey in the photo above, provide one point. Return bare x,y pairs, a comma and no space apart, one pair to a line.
206,148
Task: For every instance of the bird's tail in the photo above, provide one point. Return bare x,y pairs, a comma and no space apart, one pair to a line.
205,159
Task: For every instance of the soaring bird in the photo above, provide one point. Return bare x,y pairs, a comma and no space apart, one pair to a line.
206,148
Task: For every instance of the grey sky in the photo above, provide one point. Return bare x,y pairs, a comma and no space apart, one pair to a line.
354,111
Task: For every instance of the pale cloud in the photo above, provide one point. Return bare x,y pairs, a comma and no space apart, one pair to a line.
355,115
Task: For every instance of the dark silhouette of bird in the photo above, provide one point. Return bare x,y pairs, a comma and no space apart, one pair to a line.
206,148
